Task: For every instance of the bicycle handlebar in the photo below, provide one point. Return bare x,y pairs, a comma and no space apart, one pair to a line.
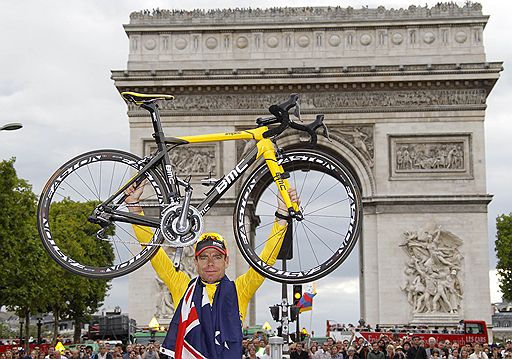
282,117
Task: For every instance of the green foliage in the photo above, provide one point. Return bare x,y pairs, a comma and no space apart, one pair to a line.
74,296
31,281
504,254
20,287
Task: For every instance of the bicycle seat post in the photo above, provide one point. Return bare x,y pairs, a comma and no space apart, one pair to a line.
158,135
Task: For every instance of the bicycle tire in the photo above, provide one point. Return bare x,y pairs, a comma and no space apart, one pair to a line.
343,216
81,184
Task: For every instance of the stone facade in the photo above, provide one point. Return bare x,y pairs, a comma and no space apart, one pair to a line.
404,92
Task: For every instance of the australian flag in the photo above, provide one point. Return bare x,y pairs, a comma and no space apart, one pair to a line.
200,330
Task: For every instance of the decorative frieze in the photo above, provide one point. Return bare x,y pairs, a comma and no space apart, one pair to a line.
328,102
425,156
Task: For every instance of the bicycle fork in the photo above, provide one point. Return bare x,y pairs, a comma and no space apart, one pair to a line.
280,176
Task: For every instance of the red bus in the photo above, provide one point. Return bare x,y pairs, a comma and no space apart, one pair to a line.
472,331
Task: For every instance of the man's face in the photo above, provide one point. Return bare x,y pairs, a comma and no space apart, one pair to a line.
211,265
255,342
298,347
375,346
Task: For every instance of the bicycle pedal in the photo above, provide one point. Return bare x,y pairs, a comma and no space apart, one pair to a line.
209,182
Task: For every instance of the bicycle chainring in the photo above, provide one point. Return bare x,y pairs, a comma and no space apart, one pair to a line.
169,226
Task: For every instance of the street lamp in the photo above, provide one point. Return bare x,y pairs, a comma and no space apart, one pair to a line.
11,126
39,325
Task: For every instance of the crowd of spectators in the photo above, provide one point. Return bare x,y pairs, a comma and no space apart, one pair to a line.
406,347
104,351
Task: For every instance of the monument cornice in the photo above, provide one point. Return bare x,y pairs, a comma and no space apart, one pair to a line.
307,26
421,70
482,199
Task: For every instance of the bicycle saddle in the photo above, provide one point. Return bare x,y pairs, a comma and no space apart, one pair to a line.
140,98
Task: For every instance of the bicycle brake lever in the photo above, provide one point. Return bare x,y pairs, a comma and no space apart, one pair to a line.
325,131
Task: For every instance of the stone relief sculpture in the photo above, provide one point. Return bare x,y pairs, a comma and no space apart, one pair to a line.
164,306
194,160
432,272
330,100
429,156
361,138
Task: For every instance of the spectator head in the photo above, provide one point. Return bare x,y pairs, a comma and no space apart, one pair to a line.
267,349
399,348
339,345
334,350
256,343
325,346
102,348
351,350
455,345
391,350
435,353
375,346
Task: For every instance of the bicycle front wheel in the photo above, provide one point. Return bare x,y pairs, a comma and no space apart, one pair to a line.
315,246
70,197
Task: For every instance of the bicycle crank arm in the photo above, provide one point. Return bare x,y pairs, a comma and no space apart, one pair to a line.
177,258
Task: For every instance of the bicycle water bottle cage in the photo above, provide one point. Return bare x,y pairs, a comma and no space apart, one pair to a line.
141,99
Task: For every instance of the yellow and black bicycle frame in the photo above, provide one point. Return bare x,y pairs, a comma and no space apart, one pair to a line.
264,147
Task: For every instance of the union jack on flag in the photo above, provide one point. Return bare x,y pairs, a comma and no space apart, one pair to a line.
188,340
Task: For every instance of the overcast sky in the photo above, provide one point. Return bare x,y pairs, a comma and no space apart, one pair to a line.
55,63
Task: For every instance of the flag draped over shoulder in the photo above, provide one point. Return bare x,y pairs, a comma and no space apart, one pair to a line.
199,330
306,301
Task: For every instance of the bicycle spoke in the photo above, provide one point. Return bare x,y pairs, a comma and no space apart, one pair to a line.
310,244
86,185
330,205
314,191
295,232
324,227
327,190
111,178
93,182
327,216
320,239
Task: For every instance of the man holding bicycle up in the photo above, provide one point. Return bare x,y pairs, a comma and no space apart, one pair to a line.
210,309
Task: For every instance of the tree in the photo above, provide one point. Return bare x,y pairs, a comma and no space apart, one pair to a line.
504,254
20,286
77,297
31,281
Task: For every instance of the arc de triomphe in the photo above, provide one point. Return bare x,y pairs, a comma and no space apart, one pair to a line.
404,94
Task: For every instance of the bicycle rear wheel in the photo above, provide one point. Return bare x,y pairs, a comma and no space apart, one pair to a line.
315,246
70,197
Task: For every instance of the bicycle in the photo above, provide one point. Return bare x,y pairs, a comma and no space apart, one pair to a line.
320,235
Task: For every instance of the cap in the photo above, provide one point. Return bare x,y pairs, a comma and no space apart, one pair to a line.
211,240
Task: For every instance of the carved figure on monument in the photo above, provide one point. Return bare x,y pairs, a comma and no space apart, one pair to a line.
429,156
362,139
431,282
195,161
164,307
